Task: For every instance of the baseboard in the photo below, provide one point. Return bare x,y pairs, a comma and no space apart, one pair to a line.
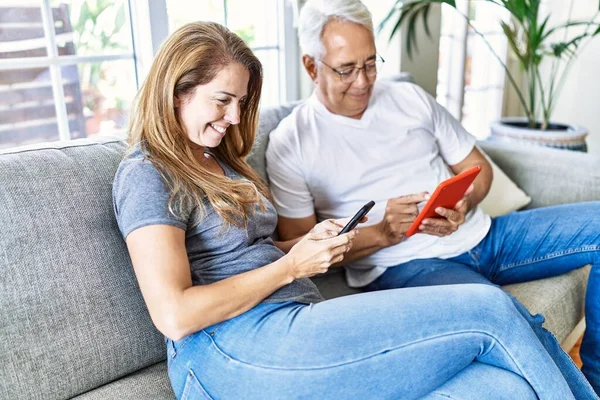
574,336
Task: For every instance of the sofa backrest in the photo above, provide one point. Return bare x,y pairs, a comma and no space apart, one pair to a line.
71,314
268,121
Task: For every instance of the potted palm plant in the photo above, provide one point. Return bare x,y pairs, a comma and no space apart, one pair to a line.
533,41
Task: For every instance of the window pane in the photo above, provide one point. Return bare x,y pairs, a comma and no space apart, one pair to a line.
487,17
107,90
182,12
27,113
92,27
21,30
483,69
271,78
254,21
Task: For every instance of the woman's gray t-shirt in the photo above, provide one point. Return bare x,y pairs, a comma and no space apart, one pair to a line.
215,251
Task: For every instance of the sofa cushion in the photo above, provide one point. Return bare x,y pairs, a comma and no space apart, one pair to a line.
149,383
71,314
560,299
548,176
504,196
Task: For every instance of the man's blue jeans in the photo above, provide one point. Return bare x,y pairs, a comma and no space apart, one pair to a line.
520,247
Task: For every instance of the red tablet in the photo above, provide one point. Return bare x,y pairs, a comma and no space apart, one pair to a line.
446,195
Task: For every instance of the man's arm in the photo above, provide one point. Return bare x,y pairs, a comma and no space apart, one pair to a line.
483,182
399,214
453,218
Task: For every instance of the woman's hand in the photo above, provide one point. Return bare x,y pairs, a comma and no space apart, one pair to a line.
334,225
319,249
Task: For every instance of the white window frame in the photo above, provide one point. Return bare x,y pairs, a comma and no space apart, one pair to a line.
151,16
149,27
454,99
53,62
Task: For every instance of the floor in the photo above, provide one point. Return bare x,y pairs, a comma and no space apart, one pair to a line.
574,353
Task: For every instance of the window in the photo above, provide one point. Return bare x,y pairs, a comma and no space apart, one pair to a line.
70,68
386,48
259,23
470,78
66,69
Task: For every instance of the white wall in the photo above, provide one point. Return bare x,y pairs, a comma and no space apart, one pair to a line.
424,65
579,101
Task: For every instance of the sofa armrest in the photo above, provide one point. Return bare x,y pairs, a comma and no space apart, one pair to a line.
548,176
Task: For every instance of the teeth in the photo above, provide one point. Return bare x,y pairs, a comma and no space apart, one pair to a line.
218,128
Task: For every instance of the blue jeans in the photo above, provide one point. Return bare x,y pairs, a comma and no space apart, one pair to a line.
520,247
455,341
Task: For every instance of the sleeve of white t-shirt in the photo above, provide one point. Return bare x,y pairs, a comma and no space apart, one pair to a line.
291,195
455,143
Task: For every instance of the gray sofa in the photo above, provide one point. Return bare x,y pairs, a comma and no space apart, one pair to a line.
72,320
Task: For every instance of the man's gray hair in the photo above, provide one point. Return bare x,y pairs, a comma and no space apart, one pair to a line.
315,14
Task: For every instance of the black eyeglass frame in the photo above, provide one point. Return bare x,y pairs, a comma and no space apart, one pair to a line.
356,70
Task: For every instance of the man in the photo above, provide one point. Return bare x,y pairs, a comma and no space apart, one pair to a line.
356,140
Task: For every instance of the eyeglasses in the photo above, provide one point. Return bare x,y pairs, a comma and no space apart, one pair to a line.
350,74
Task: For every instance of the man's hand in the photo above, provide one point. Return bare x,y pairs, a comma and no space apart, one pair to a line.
400,213
451,220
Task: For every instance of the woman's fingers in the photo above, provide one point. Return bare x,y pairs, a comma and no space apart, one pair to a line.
323,235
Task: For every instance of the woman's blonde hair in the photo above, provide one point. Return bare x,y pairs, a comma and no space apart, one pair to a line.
192,56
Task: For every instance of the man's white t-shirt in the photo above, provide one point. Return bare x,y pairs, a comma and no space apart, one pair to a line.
331,165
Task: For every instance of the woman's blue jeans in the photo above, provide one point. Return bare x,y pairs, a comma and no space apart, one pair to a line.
520,247
439,342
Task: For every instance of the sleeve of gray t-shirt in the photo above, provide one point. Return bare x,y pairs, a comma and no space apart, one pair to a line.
141,198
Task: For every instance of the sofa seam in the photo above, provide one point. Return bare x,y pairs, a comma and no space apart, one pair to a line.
66,146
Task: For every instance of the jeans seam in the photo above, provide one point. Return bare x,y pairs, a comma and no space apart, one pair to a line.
495,341
549,256
475,257
176,348
569,358
448,396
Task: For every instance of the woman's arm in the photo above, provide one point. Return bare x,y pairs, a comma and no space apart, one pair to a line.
177,308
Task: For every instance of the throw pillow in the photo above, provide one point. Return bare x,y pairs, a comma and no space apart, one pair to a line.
504,195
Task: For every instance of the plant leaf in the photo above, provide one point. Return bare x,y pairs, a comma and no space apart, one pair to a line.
390,14
566,25
569,48
410,33
511,36
425,14
409,13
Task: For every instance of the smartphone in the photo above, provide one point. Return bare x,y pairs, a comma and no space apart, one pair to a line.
357,217
446,195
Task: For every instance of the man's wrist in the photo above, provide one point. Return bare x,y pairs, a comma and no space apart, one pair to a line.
378,237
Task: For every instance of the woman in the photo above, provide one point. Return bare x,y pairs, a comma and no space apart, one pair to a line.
240,317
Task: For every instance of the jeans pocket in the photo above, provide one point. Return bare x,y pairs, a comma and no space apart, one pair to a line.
193,389
213,329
